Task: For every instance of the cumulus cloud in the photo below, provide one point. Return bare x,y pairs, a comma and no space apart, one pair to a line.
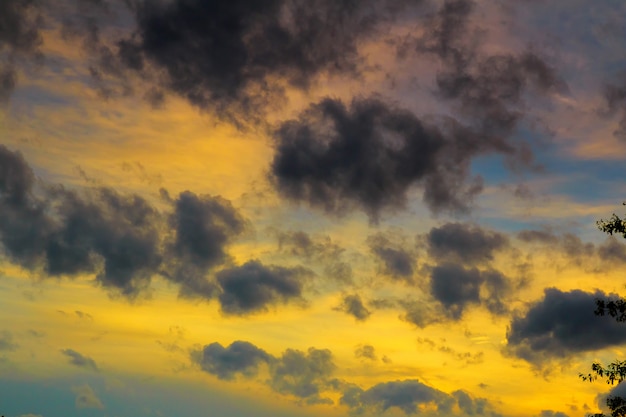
78,359
226,362
239,54
396,261
405,395
464,243
304,375
456,288
365,352
20,38
562,323
121,238
203,226
253,287
368,154
353,305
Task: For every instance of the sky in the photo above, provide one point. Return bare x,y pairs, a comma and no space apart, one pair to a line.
309,207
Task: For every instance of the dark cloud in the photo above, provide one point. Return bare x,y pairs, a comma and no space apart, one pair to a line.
203,226
121,238
562,324
80,360
396,261
407,395
20,38
369,154
226,362
456,288
120,230
241,53
365,352
303,374
464,243
353,305
252,287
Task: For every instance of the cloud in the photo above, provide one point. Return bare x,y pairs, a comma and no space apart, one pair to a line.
241,54
203,226
303,374
464,243
80,360
487,88
562,324
353,305
456,288
226,362
121,238
369,154
396,261
405,395
365,352
252,287
20,38
86,397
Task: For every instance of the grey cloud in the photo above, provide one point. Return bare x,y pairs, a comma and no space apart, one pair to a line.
456,288
488,88
369,154
464,242
562,324
20,38
220,55
365,352
80,360
405,395
121,238
226,362
353,305
396,261
203,226
252,287
303,374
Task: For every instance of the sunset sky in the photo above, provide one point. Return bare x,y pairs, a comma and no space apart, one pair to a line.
284,208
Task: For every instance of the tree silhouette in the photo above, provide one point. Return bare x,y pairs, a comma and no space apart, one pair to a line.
614,372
